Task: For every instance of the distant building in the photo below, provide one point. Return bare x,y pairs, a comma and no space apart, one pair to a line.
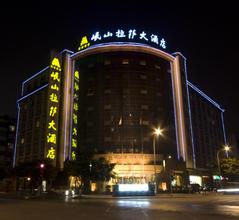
208,127
109,97
7,139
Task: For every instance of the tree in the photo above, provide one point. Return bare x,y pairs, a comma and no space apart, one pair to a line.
87,169
35,172
230,167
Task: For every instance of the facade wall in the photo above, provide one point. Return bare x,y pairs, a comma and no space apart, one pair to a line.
123,96
31,132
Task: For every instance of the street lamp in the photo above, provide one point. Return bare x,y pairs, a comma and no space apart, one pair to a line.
226,149
156,133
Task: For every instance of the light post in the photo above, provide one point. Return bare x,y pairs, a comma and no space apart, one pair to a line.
226,149
156,133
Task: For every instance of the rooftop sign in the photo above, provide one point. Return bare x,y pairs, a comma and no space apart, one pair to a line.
122,35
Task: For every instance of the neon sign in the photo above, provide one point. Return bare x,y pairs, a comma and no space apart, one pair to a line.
54,93
74,139
123,35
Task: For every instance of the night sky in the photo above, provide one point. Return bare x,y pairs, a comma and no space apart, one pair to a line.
204,34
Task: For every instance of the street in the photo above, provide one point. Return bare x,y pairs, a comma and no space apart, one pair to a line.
166,207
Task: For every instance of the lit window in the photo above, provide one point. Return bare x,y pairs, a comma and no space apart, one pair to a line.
37,124
10,145
107,106
107,139
12,128
145,122
125,61
143,76
22,141
107,62
143,91
157,66
142,63
107,91
144,107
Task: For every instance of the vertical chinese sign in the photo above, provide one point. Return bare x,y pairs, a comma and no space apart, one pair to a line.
53,108
74,141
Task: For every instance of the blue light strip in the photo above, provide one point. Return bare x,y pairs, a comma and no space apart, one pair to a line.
190,115
15,146
205,96
67,51
33,77
37,90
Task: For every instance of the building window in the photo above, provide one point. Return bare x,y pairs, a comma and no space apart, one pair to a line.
10,145
107,123
107,139
90,124
145,139
125,61
159,94
90,108
107,91
157,66
90,92
22,141
107,62
90,65
142,63
12,128
142,76
91,78
143,91
37,123
145,122
106,107
144,107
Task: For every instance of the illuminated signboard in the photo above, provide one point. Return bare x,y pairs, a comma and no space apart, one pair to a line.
53,108
74,139
130,35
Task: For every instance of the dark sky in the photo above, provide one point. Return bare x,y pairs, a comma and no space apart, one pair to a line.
204,34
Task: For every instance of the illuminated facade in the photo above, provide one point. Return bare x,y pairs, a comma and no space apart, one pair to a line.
108,97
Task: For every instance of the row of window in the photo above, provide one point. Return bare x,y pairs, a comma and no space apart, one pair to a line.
91,92
125,62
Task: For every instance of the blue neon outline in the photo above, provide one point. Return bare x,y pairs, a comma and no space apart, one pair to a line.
190,115
36,74
15,146
32,92
205,96
65,50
